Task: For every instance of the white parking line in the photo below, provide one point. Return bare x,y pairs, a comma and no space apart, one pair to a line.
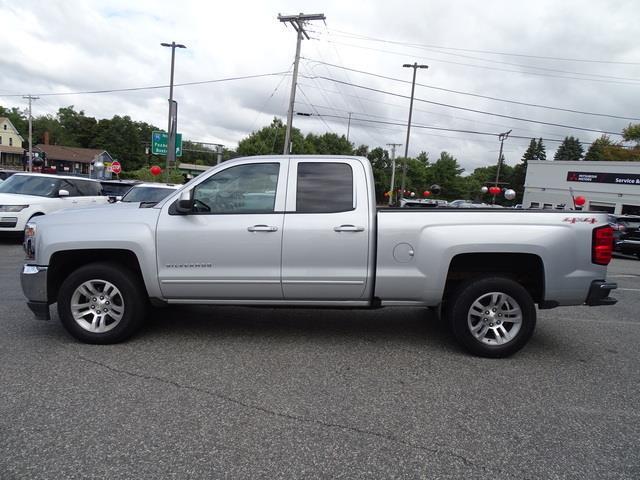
623,275
629,289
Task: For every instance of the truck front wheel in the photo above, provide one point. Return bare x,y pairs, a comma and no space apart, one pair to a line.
101,303
492,316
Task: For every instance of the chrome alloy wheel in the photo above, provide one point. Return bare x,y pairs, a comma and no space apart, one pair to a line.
494,318
97,306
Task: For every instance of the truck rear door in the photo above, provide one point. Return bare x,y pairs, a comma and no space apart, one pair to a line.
325,245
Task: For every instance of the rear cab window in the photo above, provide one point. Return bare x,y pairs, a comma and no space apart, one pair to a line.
324,187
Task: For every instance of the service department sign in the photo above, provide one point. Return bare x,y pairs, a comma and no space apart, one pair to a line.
600,177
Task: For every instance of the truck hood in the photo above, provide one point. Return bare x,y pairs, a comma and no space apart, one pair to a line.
107,216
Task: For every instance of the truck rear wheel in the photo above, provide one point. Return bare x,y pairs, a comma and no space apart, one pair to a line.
101,303
492,316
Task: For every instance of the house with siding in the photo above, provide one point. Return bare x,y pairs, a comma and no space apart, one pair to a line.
11,152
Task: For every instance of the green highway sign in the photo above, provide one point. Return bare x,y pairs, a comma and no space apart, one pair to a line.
159,141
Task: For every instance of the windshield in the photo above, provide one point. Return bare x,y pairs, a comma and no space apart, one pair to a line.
146,194
30,185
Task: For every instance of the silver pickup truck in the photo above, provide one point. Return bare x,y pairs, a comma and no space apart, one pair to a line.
304,231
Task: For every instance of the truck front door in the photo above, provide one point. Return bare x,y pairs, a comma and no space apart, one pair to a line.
229,246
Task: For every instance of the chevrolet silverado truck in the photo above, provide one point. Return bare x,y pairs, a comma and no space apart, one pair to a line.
304,231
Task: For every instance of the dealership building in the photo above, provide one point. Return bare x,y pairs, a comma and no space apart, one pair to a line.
612,187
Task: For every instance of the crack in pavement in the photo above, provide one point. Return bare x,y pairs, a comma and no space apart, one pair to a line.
297,418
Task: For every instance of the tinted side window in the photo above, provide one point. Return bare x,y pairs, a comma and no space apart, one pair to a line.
324,187
91,189
70,187
247,188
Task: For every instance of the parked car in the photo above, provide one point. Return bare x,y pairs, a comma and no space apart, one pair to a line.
459,202
303,231
4,174
117,188
148,194
27,195
626,233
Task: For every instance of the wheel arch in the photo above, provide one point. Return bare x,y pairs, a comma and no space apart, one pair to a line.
525,268
63,263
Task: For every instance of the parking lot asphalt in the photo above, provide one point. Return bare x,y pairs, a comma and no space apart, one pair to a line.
222,392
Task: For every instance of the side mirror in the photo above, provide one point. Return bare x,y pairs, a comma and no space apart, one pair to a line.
184,205
63,193
115,198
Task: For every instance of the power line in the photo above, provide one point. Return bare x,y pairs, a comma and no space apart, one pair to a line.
511,117
477,95
429,127
485,67
537,67
490,52
152,87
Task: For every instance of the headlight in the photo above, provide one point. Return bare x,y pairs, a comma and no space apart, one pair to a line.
29,243
12,208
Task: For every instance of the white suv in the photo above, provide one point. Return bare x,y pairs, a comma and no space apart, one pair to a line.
25,195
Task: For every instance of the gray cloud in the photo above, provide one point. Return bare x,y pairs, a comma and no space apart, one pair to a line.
76,45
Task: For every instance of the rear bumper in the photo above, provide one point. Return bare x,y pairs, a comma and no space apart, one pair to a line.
34,286
599,293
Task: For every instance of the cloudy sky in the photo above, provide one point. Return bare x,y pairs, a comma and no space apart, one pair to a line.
574,55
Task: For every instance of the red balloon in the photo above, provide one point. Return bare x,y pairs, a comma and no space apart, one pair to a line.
155,170
426,193
580,200
494,190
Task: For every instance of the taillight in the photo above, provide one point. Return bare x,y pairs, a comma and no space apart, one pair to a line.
602,245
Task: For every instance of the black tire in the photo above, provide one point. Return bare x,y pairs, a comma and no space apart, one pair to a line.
132,301
463,317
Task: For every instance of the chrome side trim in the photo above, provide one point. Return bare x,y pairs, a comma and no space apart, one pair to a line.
209,282
298,303
323,282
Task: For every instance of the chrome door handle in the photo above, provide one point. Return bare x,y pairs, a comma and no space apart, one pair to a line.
348,228
262,228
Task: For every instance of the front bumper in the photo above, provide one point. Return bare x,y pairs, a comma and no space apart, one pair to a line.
34,286
599,293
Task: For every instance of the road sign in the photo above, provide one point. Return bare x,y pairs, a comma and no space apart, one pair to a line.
116,167
159,141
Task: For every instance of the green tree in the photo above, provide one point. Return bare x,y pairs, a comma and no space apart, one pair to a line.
381,166
269,140
328,144
569,149
535,151
446,173
17,118
632,133
600,149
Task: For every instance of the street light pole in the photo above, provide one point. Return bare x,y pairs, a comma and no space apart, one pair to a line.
173,112
415,67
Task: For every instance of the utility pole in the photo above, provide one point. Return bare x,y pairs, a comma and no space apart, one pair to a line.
172,128
415,67
297,22
393,170
349,126
502,137
30,159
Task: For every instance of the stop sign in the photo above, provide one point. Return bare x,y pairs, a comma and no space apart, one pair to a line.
116,167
